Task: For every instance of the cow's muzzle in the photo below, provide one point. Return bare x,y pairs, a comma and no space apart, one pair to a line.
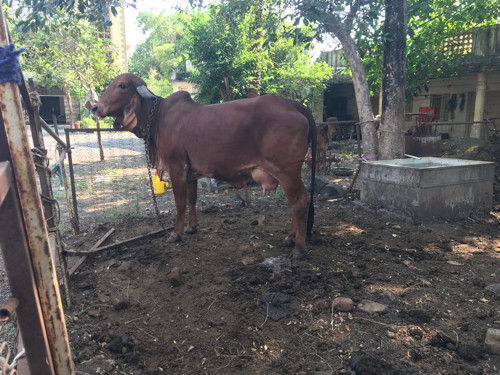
94,109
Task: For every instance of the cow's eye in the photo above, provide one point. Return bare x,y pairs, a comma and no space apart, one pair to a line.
122,86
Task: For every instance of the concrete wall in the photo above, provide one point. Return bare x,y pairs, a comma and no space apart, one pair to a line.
184,85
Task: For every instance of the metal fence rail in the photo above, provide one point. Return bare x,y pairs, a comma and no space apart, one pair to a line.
112,189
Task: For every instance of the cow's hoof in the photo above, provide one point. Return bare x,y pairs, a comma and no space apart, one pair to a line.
298,252
192,230
173,239
288,242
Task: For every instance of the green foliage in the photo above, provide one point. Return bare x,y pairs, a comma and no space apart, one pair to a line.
107,122
213,45
249,43
66,53
37,15
157,58
87,122
293,74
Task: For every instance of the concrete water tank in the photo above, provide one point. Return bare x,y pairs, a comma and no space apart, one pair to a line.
428,187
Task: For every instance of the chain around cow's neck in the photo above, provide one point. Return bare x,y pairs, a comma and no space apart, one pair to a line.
147,140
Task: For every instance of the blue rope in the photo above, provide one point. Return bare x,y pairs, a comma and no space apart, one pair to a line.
9,64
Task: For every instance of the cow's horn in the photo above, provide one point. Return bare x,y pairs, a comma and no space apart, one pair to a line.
145,93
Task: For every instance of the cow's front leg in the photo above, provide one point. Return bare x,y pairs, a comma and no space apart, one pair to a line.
180,193
192,197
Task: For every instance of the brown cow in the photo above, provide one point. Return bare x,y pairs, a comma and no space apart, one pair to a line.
326,131
263,138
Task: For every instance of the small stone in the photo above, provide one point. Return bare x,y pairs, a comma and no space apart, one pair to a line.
390,294
495,288
391,334
373,307
492,341
342,304
175,276
94,313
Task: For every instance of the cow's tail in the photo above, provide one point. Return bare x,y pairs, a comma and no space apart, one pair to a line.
312,138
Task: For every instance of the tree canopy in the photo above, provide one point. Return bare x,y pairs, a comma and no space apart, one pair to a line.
159,56
36,15
67,53
230,40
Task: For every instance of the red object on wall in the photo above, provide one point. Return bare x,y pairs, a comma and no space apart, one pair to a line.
431,113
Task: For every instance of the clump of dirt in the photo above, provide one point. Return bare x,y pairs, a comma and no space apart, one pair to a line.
218,317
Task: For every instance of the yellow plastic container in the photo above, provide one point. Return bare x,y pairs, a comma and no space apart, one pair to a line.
158,185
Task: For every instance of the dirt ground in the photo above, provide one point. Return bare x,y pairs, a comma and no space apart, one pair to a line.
237,306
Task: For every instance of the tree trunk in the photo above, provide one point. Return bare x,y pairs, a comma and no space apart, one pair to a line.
254,89
70,108
369,141
393,94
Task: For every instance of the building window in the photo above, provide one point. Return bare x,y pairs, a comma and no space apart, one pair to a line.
439,102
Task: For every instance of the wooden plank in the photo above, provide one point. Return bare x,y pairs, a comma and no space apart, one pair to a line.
81,259
112,246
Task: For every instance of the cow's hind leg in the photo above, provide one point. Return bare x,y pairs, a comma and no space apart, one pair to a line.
298,199
192,197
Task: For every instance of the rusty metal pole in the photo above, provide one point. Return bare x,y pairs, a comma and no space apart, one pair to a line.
46,187
22,282
35,226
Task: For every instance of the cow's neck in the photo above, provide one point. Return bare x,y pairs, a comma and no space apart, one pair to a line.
143,119
151,120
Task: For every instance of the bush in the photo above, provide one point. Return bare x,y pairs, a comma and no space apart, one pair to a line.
90,122
87,122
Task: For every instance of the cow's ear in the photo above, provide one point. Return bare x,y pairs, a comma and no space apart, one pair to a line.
131,112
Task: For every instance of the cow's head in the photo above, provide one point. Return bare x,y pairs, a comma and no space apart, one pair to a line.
122,100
